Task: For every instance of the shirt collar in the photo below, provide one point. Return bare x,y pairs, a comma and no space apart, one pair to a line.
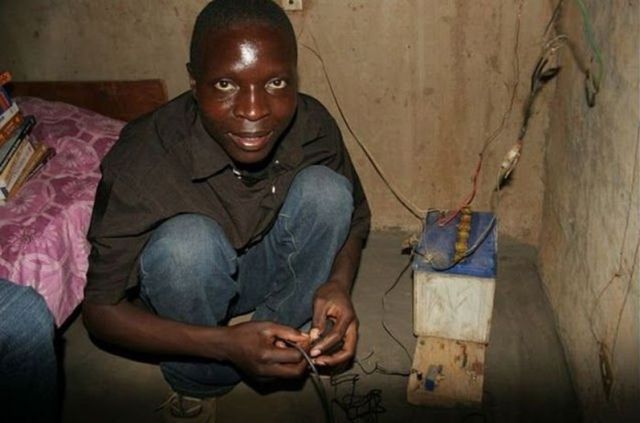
208,157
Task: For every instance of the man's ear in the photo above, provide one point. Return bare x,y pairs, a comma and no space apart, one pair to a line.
192,78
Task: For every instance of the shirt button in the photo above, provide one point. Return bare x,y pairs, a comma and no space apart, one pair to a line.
273,189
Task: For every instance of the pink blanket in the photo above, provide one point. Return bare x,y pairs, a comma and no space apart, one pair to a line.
43,229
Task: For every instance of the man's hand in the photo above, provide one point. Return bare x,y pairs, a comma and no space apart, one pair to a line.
333,302
259,349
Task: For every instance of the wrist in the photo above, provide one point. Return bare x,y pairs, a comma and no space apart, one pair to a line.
341,284
214,342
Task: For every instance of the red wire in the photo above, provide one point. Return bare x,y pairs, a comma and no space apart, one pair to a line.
444,220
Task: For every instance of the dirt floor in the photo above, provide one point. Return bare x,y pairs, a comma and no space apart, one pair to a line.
526,378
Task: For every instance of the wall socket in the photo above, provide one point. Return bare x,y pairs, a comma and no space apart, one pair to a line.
291,4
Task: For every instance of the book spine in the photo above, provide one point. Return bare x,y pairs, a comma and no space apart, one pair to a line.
7,131
8,114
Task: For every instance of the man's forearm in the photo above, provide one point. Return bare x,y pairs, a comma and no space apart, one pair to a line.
128,326
346,263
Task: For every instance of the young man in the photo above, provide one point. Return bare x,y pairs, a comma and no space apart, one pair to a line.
236,196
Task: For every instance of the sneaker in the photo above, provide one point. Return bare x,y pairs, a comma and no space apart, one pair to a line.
181,408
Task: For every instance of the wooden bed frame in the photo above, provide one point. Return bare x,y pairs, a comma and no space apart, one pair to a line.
124,100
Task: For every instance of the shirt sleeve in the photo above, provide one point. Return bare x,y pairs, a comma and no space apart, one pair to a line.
117,234
341,163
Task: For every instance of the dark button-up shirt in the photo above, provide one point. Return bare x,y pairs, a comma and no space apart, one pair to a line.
165,164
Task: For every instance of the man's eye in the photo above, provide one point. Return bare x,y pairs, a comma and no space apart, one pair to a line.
224,86
277,84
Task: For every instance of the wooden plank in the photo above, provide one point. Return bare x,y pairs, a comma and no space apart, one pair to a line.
461,378
124,100
453,306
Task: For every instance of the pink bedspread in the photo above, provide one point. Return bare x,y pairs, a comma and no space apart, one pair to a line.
43,229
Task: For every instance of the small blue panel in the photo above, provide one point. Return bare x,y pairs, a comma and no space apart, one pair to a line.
436,249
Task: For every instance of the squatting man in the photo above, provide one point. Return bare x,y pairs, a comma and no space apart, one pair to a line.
237,196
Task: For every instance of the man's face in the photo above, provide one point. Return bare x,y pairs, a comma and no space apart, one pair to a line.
247,90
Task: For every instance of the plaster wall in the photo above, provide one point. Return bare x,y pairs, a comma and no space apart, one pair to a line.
423,83
590,232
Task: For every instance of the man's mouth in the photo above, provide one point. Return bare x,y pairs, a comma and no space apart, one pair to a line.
251,141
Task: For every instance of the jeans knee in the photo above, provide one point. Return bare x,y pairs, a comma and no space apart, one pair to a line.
186,245
27,319
323,193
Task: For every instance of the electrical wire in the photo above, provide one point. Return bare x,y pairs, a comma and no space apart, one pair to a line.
479,241
416,211
542,73
620,270
496,133
632,271
384,309
357,407
317,382
592,82
408,204
377,368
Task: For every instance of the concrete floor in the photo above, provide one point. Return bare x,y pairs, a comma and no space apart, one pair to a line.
525,379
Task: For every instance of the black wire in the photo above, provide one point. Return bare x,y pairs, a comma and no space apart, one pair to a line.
384,309
357,407
317,383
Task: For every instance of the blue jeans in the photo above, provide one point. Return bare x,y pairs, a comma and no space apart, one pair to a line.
27,358
191,273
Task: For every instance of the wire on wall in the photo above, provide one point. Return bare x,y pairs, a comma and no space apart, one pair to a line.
592,80
496,133
416,211
603,346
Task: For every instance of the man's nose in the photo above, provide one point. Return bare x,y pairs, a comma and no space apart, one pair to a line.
252,104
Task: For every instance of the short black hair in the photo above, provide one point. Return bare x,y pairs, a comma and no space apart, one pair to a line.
222,14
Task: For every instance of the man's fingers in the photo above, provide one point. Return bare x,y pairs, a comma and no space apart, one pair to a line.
345,353
317,323
340,357
286,333
334,336
326,343
289,355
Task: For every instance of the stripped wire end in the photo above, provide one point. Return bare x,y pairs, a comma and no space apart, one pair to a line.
509,163
410,244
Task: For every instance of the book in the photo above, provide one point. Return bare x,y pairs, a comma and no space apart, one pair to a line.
11,173
9,113
5,100
44,154
5,77
9,148
7,130
38,159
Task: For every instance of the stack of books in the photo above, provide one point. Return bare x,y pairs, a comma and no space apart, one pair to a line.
20,155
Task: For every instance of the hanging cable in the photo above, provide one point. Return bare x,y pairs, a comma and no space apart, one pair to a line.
408,204
317,382
496,133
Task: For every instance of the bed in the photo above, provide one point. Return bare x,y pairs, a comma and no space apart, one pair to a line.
43,228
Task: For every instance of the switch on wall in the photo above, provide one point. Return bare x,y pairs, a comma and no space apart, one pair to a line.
291,4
